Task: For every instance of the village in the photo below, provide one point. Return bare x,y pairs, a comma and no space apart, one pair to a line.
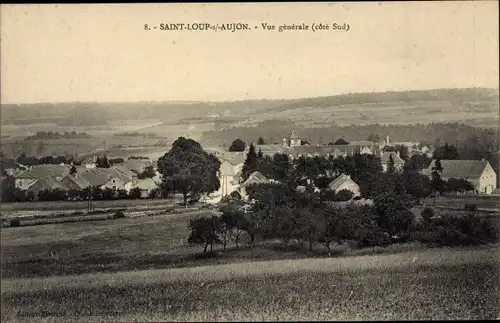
141,176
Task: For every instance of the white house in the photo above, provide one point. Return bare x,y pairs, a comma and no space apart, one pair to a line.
478,172
386,157
90,162
254,178
344,182
118,183
146,185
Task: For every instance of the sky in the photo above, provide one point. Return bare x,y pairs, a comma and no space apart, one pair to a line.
81,52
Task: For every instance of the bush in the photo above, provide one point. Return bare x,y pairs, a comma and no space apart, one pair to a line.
15,223
470,207
457,230
118,215
343,195
235,195
427,215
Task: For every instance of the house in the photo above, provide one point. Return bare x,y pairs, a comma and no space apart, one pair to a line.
95,177
28,177
294,139
90,162
386,157
229,174
270,150
254,178
46,183
75,182
344,182
117,181
137,165
146,186
124,170
478,172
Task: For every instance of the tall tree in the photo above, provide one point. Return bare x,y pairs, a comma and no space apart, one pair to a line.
446,152
72,170
281,167
251,163
102,162
237,145
390,165
437,183
188,169
261,141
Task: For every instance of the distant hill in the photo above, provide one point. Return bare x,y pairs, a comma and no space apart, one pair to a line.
474,106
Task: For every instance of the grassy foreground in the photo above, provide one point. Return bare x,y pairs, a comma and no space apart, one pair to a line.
434,284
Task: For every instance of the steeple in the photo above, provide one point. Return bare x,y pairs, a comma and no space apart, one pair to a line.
295,139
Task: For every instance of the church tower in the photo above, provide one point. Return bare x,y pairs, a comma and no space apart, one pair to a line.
295,139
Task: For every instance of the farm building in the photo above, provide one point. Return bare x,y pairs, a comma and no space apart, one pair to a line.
75,182
46,183
25,179
478,172
385,158
344,182
90,162
146,186
254,178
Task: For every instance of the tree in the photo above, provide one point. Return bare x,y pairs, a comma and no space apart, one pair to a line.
281,167
237,145
446,152
7,189
344,195
260,155
188,169
393,215
233,219
437,184
72,170
108,194
251,163
416,163
261,141
341,141
415,184
205,230
459,185
102,162
390,165
148,172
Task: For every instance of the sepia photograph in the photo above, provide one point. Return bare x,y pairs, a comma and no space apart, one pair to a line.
214,162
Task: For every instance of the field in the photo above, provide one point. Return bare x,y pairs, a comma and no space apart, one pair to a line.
143,269
458,202
18,209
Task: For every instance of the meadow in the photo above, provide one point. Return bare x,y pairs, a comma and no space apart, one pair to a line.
459,284
143,269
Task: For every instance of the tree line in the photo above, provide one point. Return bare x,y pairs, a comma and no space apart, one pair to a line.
58,135
277,212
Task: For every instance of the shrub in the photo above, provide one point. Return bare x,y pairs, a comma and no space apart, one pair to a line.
235,195
135,193
118,215
15,223
457,230
470,207
343,195
427,214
